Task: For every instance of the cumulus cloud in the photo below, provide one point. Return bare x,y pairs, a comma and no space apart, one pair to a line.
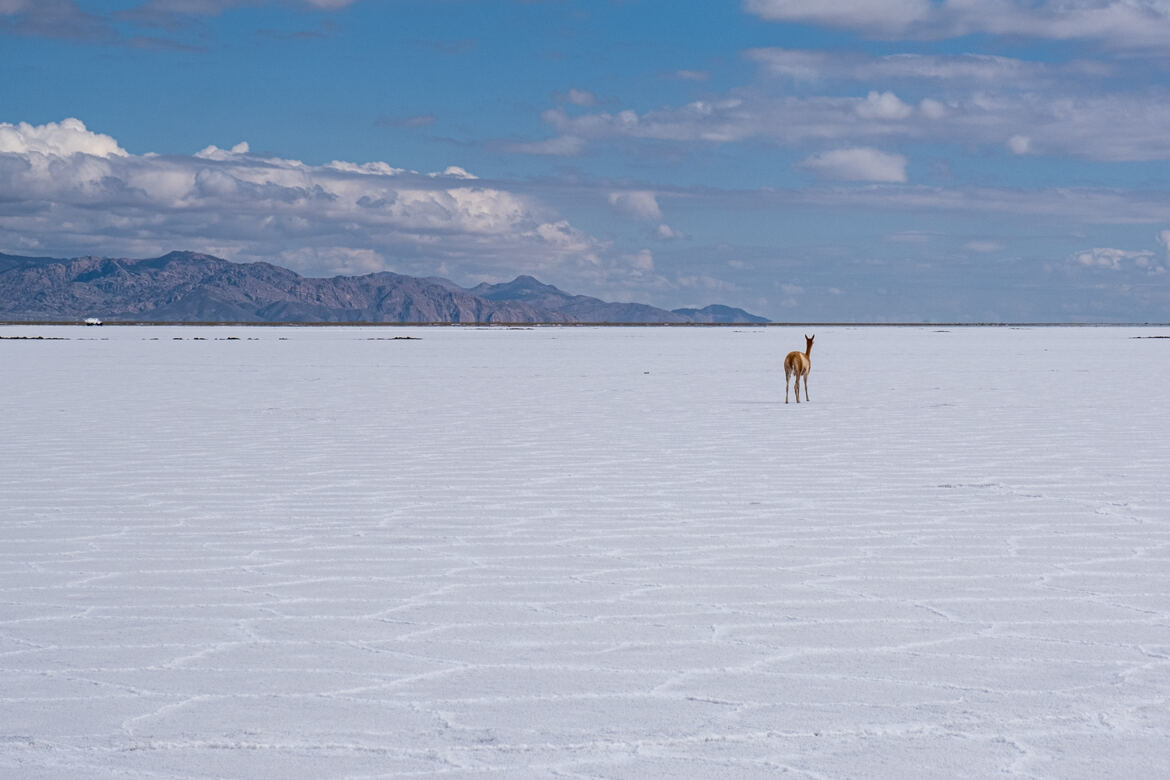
858,164
883,105
59,139
1103,258
667,233
68,189
637,204
1119,260
642,205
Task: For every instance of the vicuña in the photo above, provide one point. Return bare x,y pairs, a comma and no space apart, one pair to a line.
798,363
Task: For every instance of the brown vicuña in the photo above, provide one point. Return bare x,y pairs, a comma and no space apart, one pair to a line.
798,363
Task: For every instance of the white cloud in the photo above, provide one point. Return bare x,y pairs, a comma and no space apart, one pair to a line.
1020,144
932,109
1102,258
716,122
59,139
883,105
1164,240
1119,260
213,152
1150,265
642,205
1120,23
69,189
638,204
982,69
667,233
582,97
957,69
370,168
881,16
1057,124
642,261
800,64
454,172
858,164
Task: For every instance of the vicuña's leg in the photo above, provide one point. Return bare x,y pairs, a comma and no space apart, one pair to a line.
787,377
806,387
796,387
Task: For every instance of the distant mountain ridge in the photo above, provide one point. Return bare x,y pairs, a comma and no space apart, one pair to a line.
194,287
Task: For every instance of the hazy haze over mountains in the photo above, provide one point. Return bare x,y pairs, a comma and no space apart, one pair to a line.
193,287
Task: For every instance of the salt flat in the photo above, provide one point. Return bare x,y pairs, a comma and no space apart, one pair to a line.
583,552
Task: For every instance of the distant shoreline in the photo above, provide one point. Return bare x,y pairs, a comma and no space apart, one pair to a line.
525,325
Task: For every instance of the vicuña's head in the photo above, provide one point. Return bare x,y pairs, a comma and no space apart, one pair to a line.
808,340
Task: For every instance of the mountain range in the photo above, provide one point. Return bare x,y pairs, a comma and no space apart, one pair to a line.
194,287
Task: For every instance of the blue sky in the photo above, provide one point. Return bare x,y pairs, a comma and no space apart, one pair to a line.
901,160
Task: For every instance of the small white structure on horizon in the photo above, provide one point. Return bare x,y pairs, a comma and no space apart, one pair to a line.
92,321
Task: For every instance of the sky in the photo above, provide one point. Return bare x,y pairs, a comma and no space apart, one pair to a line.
858,161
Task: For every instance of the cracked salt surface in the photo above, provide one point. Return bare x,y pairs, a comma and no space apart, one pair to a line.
583,552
